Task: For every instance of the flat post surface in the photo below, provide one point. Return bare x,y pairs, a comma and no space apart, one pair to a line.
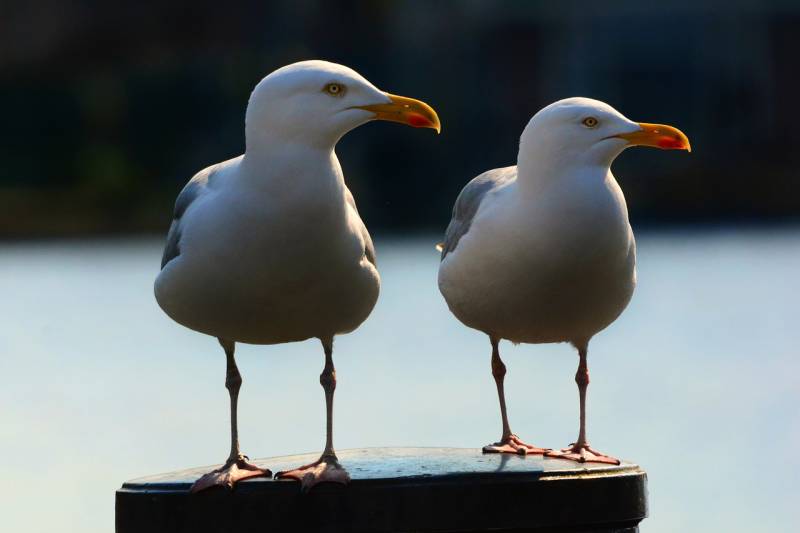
398,489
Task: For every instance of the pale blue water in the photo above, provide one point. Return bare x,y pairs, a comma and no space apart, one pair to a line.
698,381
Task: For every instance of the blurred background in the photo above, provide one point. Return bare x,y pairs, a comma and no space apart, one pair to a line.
110,108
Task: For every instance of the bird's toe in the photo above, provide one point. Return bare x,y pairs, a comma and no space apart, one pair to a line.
513,444
229,474
325,470
582,453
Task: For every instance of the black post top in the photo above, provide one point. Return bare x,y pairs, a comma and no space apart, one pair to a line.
398,489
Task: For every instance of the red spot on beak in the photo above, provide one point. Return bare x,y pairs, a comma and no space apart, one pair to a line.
670,142
418,121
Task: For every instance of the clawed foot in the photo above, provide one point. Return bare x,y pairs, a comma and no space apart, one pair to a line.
325,469
582,453
512,444
233,471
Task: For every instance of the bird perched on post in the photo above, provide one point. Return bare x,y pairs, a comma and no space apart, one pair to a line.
268,247
543,252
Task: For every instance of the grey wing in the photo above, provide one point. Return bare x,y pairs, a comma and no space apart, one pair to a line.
468,202
369,248
186,197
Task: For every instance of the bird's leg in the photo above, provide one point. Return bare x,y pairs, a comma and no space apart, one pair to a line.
327,467
509,443
237,467
580,450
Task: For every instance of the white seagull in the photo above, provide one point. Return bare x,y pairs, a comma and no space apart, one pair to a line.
268,247
543,252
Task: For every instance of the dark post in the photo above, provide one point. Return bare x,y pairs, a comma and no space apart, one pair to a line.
399,489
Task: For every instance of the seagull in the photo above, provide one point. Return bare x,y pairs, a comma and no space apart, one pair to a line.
543,252
268,247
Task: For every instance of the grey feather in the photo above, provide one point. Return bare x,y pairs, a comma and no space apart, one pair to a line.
369,248
185,198
468,202
172,248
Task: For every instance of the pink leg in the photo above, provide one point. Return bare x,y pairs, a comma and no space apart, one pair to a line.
509,443
237,467
580,450
327,467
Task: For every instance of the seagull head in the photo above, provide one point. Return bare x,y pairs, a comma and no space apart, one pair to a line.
582,131
317,102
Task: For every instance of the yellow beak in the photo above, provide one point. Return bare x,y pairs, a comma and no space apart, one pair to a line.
657,136
405,111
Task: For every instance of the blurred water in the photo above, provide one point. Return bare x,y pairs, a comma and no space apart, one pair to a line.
697,381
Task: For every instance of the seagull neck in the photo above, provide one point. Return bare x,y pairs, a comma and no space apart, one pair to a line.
289,166
536,170
287,150
266,146
265,139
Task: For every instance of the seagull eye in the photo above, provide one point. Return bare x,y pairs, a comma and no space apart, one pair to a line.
334,89
590,122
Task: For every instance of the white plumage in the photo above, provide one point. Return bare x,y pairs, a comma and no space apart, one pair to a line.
543,252
269,247
270,254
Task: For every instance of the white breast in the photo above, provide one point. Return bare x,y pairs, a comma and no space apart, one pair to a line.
267,260
551,267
